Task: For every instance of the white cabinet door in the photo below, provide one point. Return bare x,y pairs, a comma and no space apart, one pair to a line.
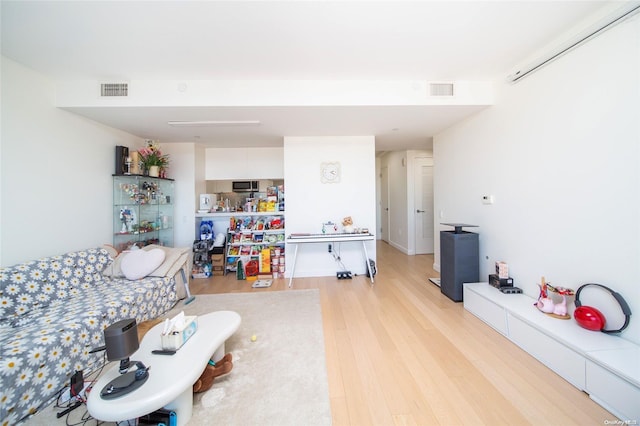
486,310
226,163
244,163
612,392
567,363
266,163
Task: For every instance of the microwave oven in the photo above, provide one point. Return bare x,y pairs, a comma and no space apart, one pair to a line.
245,186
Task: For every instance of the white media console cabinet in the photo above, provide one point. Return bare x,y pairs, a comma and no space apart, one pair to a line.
604,366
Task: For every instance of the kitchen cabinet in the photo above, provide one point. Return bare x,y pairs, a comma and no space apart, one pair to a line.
142,211
244,163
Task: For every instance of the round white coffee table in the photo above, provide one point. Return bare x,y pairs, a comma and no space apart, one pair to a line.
171,377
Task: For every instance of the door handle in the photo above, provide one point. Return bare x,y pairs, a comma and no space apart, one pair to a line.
419,211
387,209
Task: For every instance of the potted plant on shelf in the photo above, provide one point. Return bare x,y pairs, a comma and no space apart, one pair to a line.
152,159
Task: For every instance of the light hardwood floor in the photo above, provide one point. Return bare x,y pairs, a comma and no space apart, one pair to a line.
401,353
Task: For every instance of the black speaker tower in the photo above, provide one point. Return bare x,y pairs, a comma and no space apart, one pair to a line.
122,152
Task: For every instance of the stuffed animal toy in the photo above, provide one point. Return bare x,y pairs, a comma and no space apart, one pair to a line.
211,371
347,224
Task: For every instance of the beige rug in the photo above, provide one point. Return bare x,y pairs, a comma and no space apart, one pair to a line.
280,379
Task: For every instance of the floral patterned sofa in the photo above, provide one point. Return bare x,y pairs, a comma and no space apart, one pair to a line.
52,314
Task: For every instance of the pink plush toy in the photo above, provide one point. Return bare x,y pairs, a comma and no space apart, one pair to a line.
546,304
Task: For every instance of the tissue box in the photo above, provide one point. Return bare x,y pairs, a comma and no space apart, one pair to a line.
176,338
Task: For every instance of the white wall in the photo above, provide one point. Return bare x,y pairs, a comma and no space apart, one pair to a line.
377,230
560,153
187,168
56,186
200,174
309,202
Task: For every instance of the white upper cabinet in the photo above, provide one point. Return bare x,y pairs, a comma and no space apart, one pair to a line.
244,163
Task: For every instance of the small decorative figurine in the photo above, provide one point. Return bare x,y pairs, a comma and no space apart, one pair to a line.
129,161
347,225
126,219
548,306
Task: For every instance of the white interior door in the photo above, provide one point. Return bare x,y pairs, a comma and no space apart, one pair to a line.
423,196
384,204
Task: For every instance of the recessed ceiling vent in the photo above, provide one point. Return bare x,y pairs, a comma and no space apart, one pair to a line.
114,89
441,89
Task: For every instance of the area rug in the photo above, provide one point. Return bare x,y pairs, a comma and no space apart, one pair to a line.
278,378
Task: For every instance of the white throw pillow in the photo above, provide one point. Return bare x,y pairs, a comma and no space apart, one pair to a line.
140,263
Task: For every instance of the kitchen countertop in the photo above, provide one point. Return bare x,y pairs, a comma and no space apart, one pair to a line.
229,214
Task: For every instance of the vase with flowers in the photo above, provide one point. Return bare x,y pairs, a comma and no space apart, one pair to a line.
152,159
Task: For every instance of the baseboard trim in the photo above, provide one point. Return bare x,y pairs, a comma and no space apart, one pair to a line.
402,249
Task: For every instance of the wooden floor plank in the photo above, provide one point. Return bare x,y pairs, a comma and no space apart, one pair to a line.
401,353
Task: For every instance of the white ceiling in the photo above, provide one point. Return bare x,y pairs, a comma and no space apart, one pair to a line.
290,40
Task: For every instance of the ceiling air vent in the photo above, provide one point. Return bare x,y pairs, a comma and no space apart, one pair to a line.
441,89
114,89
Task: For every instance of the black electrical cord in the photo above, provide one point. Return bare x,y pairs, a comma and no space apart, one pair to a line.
336,256
86,418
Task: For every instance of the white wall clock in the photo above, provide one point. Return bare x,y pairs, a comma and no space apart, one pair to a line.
330,172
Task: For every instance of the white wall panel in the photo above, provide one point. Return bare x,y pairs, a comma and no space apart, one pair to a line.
309,202
56,172
560,153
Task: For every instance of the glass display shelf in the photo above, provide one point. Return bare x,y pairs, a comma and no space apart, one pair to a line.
142,211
